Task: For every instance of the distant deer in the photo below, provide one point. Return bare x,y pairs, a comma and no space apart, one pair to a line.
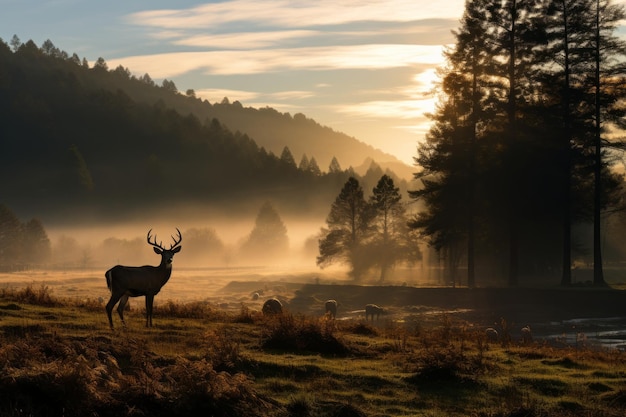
137,281
331,308
373,310
272,307
492,334
527,335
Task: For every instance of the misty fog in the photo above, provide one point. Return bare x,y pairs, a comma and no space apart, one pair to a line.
214,241
211,243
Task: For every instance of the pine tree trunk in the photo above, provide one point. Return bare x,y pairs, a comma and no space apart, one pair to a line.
598,273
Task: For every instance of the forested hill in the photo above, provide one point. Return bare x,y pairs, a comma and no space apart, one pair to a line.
78,139
274,130
269,128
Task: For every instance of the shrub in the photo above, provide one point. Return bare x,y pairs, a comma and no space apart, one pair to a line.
29,295
362,329
50,376
291,333
245,315
223,348
192,310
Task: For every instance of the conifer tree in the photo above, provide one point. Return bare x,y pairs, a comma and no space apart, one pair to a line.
609,81
448,158
287,157
390,229
36,244
268,239
334,166
304,163
348,223
314,167
10,238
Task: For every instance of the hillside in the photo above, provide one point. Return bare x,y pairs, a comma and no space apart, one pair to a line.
269,128
274,131
89,142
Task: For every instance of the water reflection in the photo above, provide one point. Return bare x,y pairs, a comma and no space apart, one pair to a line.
606,332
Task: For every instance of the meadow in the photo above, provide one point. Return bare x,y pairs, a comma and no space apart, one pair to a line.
211,352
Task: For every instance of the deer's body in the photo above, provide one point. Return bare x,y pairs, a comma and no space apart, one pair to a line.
373,310
330,307
272,307
138,281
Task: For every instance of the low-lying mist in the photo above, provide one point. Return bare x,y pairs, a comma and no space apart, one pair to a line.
217,242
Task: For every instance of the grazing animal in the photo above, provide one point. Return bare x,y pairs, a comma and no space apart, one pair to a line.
272,307
331,308
373,310
255,296
492,334
137,281
527,335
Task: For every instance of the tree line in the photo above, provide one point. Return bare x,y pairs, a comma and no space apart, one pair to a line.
22,244
364,234
517,164
26,246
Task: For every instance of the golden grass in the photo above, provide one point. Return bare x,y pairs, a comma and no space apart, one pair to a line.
58,356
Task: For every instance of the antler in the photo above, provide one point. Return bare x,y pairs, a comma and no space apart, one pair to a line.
176,242
155,244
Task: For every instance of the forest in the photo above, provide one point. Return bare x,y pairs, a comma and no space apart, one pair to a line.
522,166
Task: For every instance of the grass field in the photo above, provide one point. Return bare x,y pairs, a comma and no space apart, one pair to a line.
212,353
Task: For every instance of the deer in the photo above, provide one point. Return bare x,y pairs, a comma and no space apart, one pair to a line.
330,307
272,307
137,281
373,310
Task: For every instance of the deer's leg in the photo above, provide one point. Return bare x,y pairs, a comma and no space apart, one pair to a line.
109,307
121,307
149,302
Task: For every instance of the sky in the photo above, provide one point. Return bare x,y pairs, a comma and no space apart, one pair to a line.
362,67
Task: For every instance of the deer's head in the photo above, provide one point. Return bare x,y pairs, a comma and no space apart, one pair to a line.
167,255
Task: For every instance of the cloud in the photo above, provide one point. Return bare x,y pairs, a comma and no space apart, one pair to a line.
230,62
412,109
291,95
217,94
250,40
289,13
409,101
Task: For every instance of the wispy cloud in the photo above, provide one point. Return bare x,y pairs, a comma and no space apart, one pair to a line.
291,95
288,13
218,94
237,41
410,102
229,62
